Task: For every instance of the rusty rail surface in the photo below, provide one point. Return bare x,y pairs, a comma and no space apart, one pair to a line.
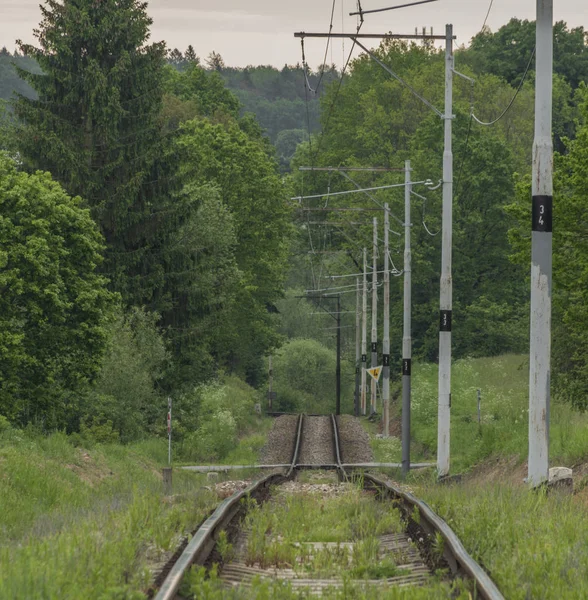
454,553
457,557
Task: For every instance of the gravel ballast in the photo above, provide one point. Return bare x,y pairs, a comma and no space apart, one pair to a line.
317,442
280,441
354,440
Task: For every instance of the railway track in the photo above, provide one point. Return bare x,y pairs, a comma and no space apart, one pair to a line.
424,544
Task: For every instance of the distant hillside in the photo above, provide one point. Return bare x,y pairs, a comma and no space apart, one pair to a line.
285,108
277,98
10,82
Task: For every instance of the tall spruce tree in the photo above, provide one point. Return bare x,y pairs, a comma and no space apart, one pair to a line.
96,127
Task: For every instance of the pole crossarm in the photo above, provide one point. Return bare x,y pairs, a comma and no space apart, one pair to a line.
335,209
380,36
319,297
372,189
367,169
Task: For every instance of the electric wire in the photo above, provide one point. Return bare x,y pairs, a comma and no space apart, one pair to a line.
379,10
489,123
423,217
487,15
399,79
464,154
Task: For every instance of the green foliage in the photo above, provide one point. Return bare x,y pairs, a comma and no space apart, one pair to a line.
506,53
96,432
278,98
570,256
95,126
304,378
7,129
124,401
238,163
211,417
519,537
489,293
207,279
504,427
54,304
206,90
78,523
10,82
379,122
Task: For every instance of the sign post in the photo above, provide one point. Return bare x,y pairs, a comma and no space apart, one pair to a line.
169,429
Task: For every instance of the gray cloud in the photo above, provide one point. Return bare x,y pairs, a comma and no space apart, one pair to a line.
261,31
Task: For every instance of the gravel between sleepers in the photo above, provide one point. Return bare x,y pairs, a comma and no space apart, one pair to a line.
354,441
317,441
280,441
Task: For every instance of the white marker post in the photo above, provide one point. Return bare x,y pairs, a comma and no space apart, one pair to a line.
169,429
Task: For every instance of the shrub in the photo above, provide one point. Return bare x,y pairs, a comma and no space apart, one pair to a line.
125,393
54,305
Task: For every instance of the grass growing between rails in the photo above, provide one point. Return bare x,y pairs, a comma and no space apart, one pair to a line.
532,544
503,429
333,536
207,584
92,523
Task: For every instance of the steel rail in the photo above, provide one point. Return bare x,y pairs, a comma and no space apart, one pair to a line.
204,540
454,552
296,452
340,469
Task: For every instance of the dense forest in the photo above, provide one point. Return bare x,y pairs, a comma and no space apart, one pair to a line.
149,247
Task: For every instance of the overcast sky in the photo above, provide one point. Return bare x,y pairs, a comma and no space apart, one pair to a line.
253,32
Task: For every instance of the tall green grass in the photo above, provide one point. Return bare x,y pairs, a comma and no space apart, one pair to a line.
78,523
503,428
533,545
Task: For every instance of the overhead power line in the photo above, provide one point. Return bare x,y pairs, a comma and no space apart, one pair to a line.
487,14
487,124
378,10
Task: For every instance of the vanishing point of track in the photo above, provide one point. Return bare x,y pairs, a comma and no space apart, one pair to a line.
421,524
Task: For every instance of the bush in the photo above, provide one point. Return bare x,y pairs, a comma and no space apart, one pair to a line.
54,305
211,418
125,393
304,378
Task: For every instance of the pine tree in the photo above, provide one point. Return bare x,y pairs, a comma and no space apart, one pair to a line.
95,126
190,55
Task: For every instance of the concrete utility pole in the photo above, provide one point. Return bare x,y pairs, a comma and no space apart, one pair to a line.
374,384
541,252
386,338
446,300
446,295
357,403
364,336
406,334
